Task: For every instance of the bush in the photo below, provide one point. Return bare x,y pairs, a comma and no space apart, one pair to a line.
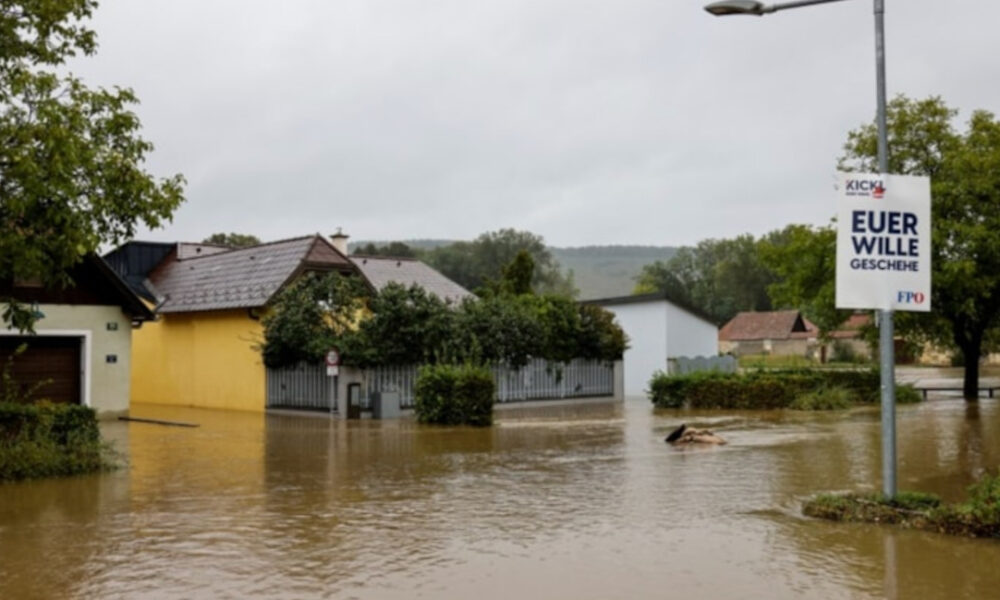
45,440
844,352
759,389
907,394
454,395
823,398
979,516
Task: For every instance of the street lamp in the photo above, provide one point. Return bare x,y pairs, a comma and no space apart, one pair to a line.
887,352
751,7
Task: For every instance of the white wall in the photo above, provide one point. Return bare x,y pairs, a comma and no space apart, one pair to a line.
656,330
645,324
105,385
688,335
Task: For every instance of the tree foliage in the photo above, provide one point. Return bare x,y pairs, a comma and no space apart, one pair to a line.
71,159
232,240
310,316
477,263
965,217
407,326
392,249
803,259
718,277
403,326
516,277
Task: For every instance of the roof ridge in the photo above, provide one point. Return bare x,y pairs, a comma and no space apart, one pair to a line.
232,250
212,244
382,257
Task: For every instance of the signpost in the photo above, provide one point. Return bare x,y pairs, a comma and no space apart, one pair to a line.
884,261
333,370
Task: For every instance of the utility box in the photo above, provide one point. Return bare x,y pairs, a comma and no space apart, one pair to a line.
385,405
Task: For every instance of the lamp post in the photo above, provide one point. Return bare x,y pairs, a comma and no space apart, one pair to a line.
886,350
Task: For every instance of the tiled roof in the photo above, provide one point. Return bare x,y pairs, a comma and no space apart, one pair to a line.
851,328
241,278
381,271
772,325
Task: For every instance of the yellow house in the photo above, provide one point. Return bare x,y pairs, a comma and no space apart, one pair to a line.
203,348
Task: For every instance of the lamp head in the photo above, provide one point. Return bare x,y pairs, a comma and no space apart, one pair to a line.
736,7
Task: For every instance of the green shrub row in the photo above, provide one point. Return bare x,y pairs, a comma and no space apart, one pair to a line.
45,440
405,326
454,395
979,516
806,389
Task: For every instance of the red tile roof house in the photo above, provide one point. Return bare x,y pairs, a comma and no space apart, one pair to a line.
778,332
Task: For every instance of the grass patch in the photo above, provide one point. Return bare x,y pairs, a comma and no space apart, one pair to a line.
775,361
979,516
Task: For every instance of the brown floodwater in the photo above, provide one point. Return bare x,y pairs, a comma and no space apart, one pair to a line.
582,502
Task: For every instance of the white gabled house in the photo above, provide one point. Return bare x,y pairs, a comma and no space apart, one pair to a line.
658,330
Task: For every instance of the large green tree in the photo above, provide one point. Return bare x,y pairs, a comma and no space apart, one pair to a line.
311,315
71,158
803,258
477,263
965,212
720,277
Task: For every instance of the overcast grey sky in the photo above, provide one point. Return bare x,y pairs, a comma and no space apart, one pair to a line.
613,122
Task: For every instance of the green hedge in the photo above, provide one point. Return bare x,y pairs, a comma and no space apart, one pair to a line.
764,389
454,395
45,440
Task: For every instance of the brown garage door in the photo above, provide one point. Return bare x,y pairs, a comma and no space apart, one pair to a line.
53,360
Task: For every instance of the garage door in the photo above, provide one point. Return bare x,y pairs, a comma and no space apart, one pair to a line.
53,360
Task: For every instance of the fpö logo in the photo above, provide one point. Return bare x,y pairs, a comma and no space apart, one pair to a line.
866,187
910,297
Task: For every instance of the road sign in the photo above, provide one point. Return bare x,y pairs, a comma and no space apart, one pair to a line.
333,357
884,242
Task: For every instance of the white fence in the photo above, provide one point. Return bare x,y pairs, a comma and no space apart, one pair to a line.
301,386
307,386
683,365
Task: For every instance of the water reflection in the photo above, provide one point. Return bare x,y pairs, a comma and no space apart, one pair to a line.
581,502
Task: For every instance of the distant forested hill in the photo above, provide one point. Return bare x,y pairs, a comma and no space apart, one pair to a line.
598,271
607,271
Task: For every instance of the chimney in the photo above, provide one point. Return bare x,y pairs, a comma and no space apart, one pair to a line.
339,241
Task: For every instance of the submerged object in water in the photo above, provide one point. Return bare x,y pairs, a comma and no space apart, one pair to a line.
683,435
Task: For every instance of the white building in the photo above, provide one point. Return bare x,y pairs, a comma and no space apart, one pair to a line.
658,329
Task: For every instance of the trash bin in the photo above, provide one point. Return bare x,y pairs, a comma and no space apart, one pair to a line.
385,405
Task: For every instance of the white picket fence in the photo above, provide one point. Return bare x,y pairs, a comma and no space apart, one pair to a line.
307,386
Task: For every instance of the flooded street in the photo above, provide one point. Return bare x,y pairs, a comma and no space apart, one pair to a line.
582,502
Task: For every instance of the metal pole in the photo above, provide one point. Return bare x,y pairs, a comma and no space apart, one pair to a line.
887,351
796,4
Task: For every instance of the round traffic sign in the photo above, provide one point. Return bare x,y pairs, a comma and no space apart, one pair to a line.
333,357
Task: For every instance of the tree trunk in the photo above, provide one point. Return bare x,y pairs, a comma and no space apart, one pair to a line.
970,383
